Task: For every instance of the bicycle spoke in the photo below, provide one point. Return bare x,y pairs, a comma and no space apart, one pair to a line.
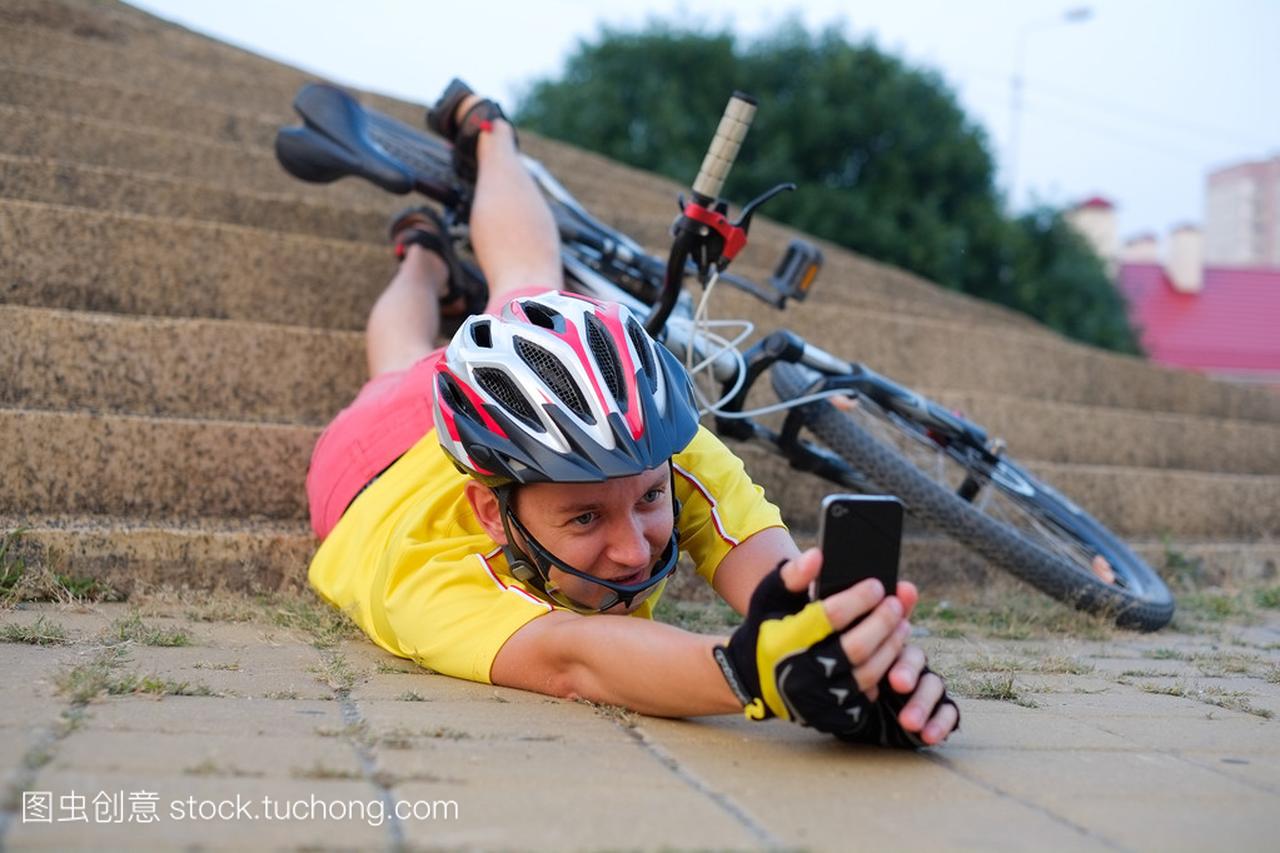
910,441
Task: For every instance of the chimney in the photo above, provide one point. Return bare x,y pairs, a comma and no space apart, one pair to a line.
1095,219
1186,259
1140,249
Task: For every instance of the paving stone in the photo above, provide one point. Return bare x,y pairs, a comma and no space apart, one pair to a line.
489,715
172,792
1135,799
641,807
1095,764
988,724
811,791
28,694
1261,771
209,715
305,756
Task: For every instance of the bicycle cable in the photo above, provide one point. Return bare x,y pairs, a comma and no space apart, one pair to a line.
699,328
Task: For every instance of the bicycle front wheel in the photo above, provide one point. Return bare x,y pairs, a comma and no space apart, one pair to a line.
1015,521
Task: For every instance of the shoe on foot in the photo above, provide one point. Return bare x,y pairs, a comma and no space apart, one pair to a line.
463,132
422,226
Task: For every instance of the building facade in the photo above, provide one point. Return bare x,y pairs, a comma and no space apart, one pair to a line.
1242,215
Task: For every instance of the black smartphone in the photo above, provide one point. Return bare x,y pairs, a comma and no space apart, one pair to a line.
860,537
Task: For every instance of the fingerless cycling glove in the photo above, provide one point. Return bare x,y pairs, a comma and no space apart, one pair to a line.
786,661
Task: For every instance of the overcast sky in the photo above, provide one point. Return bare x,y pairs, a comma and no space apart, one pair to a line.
1136,103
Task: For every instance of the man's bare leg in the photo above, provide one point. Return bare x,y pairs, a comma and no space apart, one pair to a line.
405,321
514,237
513,232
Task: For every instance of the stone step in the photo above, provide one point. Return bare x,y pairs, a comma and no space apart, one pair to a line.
130,554
76,95
222,271
593,178
598,182
33,133
923,352
162,367
1134,502
213,73
113,189
74,462
1093,435
103,464
131,264
120,190
246,371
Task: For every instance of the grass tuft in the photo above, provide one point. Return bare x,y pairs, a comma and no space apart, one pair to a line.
336,672
715,617
1183,571
446,733
1268,597
319,770
326,625
87,681
624,717
42,632
1001,688
390,668
29,574
1233,700
131,629
1014,615
154,685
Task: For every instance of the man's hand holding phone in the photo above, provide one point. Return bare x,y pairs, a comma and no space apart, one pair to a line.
861,544
878,651
839,661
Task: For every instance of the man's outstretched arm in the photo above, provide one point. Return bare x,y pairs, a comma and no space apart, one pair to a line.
662,671
650,667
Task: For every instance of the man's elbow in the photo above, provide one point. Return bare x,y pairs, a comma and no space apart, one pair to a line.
570,680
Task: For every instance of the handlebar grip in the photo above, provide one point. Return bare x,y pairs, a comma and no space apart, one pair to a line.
724,148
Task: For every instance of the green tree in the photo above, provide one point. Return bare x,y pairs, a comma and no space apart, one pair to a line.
1060,281
887,162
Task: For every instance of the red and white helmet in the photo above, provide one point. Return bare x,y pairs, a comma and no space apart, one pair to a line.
561,388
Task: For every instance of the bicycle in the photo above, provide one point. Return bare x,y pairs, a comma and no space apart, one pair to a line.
869,434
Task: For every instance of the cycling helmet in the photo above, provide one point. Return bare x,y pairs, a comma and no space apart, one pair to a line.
561,388
568,389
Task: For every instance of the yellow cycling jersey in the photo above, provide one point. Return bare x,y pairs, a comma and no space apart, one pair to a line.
411,565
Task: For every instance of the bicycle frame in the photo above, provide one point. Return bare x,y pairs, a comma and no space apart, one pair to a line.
735,376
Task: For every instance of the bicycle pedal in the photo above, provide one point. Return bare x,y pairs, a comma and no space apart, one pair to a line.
797,270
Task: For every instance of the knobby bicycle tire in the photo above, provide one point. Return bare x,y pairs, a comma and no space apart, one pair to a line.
1138,600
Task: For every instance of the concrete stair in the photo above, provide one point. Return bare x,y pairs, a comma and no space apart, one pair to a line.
181,317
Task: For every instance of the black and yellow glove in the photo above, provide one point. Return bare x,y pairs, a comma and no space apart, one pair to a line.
786,661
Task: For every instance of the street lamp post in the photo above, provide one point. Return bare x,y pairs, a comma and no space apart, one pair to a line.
1077,15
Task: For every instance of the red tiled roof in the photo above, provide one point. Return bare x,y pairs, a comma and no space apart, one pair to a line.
1233,323
1096,201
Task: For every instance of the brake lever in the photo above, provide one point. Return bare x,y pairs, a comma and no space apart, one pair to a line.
744,220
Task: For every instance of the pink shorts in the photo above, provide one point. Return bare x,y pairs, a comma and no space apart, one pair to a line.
390,414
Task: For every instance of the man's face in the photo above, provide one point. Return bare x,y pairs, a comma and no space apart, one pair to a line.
615,530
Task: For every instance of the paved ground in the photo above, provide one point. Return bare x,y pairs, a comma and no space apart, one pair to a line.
307,737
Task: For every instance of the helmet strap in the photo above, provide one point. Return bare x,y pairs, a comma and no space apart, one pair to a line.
535,568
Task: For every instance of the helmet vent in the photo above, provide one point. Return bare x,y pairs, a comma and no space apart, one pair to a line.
500,387
456,399
640,341
552,372
540,315
482,335
606,356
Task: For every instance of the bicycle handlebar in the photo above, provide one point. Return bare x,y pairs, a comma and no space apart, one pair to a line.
723,151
